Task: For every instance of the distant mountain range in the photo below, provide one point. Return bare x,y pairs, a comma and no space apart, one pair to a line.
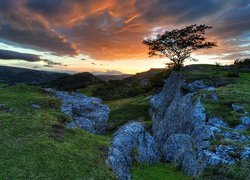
62,81
22,75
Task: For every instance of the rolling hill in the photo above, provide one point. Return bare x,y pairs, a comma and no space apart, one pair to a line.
15,75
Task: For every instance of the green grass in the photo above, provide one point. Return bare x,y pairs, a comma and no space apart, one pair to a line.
35,144
235,93
88,91
30,148
129,109
161,171
230,90
239,170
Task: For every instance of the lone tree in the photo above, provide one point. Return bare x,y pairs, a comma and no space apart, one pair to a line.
178,44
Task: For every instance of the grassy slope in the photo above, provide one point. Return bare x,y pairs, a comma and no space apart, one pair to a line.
30,149
233,90
34,153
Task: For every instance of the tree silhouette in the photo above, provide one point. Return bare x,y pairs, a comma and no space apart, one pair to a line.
178,44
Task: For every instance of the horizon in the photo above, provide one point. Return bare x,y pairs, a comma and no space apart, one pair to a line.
106,37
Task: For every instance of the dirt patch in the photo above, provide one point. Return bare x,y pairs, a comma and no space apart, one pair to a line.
57,131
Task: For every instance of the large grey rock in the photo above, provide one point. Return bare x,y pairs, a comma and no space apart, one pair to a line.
83,123
198,115
178,149
88,113
131,138
182,131
173,111
161,109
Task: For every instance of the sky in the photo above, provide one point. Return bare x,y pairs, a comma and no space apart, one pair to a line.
105,36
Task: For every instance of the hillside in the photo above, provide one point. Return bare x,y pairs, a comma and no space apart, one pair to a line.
107,78
35,134
132,86
41,147
74,82
28,76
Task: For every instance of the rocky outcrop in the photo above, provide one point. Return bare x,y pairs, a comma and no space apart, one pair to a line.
178,149
128,141
183,133
88,113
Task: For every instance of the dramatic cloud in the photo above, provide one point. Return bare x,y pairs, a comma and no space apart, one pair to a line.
12,55
20,26
114,29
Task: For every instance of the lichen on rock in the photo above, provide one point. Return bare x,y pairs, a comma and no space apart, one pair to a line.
131,140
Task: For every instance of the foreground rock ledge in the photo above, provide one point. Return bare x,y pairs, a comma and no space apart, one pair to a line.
182,131
131,140
88,113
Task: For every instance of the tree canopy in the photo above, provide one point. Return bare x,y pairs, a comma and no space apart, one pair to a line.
177,45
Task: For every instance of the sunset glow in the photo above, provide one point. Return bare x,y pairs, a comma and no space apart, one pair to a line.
106,36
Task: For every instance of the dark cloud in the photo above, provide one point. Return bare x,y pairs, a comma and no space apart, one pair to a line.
18,25
105,37
114,29
52,63
47,7
12,55
180,11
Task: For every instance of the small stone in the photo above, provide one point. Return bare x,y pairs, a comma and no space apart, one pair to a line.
35,106
195,86
214,97
245,120
224,151
245,153
241,127
217,122
210,89
209,158
235,136
2,106
237,107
